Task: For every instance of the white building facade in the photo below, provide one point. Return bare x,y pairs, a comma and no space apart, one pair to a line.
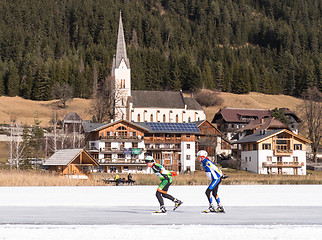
274,152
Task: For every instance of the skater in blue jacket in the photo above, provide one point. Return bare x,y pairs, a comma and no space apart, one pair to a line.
214,174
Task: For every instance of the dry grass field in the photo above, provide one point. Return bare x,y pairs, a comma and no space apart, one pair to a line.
24,111
41,178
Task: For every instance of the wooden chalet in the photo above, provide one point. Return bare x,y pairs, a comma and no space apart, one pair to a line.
71,162
211,139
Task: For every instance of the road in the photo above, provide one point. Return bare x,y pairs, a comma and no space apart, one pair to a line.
142,216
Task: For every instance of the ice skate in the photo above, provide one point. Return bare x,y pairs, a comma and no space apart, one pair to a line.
210,209
177,203
220,209
161,211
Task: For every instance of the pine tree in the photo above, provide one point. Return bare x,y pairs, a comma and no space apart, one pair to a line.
12,79
42,86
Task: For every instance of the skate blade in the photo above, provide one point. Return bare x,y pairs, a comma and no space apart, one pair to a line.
177,206
159,213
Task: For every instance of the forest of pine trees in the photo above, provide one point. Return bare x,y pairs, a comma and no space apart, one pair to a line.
238,46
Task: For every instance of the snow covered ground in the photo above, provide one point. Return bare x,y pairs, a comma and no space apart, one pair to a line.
232,196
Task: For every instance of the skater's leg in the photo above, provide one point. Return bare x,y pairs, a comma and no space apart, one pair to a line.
210,188
163,188
159,197
214,192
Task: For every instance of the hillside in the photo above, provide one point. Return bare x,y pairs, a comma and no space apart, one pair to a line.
25,111
267,46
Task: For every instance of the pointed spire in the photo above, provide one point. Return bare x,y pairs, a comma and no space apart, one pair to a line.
121,47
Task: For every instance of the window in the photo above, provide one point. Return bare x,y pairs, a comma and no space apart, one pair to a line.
189,119
244,147
107,146
126,168
254,146
188,135
269,159
279,160
188,157
297,146
139,118
250,159
246,159
163,117
295,159
135,145
177,118
139,168
267,146
121,131
151,118
188,146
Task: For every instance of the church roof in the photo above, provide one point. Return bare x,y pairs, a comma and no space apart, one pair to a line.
120,47
162,99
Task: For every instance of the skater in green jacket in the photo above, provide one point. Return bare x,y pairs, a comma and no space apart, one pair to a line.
166,179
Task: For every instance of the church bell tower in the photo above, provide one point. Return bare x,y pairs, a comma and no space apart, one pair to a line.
121,74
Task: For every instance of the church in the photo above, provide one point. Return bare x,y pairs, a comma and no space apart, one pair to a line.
147,106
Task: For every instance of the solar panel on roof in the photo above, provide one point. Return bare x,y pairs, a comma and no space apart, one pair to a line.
173,127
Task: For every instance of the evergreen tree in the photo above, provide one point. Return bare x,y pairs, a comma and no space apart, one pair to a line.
42,86
12,80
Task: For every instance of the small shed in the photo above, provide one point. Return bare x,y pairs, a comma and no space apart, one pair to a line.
71,162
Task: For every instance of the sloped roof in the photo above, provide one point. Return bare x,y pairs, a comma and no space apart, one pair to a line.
162,99
192,104
72,116
156,99
235,114
120,47
183,128
257,136
63,157
261,135
262,124
89,126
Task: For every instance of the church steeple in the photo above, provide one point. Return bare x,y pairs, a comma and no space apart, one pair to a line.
121,47
121,73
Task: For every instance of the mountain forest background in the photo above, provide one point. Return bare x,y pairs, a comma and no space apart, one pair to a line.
238,46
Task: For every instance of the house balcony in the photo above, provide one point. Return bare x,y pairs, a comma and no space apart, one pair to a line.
282,164
162,140
121,161
121,138
284,152
153,148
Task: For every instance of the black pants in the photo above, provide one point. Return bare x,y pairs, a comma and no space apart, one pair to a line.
160,194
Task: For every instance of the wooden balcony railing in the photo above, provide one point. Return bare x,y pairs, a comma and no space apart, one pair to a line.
283,164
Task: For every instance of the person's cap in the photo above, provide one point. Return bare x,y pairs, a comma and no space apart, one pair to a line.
149,159
202,153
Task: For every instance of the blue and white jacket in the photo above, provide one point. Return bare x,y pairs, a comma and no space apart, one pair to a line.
212,171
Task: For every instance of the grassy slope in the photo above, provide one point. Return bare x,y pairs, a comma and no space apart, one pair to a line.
24,111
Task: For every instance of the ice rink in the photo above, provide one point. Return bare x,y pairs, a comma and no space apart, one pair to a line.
125,212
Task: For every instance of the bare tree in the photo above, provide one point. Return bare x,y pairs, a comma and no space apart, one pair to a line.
17,144
103,104
208,98
63,92
312,118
